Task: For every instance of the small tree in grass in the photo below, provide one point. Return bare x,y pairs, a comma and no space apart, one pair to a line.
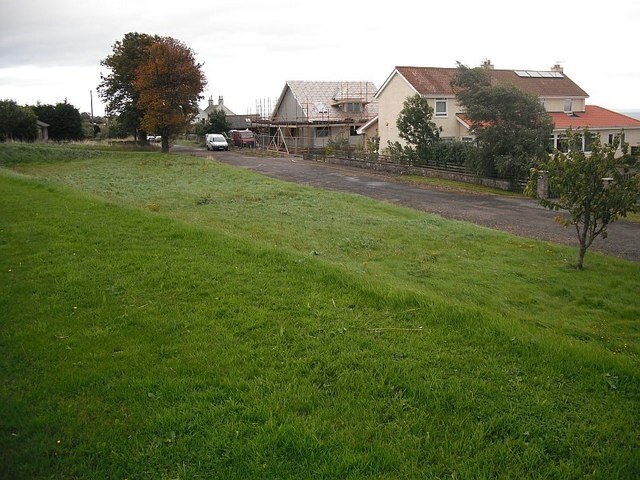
596,189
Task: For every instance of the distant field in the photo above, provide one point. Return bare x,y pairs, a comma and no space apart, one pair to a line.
172,317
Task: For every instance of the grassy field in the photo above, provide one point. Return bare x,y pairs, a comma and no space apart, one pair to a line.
171,317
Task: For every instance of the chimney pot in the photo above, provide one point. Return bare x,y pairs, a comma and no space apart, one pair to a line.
487,65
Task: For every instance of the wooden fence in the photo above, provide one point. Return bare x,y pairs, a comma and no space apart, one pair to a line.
385,163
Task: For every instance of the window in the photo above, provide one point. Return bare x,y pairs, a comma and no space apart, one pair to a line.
322,132
635,150
568,105
588,141
617,137
352,107
441,107
353,131
563,143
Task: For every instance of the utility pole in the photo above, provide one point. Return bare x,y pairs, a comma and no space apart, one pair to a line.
93,127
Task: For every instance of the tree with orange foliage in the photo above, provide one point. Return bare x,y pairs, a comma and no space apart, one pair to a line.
169,84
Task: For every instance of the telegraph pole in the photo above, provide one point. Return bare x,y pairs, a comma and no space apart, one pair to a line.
93,127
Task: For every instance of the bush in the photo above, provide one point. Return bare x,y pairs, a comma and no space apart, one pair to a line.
446,153
16,122
405,155
437,154
337,144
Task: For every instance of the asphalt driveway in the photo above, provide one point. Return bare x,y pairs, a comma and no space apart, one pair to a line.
521,216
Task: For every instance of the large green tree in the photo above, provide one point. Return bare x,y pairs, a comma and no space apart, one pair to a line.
117,89
169,84
595,188
64,121
511,127
16,122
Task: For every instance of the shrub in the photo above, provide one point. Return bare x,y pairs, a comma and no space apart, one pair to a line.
437,154
446,153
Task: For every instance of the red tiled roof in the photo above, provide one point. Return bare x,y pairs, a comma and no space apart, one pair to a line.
466,121
437,81
462,118
593,117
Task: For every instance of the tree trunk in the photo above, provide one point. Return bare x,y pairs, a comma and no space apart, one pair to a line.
142,138
582,237
583,250
165,143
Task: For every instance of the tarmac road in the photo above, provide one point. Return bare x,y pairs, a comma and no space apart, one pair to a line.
517,215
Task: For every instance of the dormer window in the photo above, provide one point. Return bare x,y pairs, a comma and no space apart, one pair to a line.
568,105
352,107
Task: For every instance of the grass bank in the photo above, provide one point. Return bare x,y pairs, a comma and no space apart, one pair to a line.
170,317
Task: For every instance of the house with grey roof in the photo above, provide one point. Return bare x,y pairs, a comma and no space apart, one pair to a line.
308,114
238,122
203,115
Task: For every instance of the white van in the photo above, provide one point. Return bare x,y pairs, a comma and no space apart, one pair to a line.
215,141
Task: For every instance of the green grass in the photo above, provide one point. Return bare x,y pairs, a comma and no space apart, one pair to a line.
458,186
634,217
171,317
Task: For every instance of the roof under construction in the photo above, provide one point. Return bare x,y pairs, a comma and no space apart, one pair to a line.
328,101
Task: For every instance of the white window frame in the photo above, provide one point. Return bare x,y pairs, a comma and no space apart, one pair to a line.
568,102
446,108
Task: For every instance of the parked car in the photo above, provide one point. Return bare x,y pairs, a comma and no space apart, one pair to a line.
216,141
243,138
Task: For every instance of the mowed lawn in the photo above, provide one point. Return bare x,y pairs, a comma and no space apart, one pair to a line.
171,317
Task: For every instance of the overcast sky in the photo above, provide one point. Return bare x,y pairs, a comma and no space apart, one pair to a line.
51,50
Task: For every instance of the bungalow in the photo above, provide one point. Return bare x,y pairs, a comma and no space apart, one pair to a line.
309,114
562,98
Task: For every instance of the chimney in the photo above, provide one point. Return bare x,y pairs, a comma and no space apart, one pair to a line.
211,101
557,68
220,101
487,65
